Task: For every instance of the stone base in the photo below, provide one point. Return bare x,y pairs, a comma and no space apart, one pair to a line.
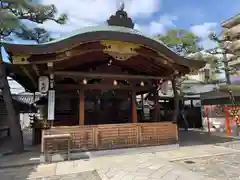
57,157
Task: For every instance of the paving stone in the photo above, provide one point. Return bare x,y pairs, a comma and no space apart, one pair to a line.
112,172
89,175
141,178
218,167
128,177
120,174
164,170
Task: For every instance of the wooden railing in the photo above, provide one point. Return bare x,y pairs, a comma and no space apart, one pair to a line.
111,136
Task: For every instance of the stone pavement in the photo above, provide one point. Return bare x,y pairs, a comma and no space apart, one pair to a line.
128,167
216,167
162,165
88,175
224,167
233,144
193,160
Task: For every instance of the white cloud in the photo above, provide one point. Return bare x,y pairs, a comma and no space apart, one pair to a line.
208,44
203,30
142,8
158,26
84,13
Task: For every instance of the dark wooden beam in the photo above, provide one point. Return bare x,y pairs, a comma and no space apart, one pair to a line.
105,76
98,86
29,75
36,69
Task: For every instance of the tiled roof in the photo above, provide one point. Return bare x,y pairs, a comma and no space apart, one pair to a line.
26,98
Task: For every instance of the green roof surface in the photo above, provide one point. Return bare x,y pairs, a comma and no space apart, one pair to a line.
96,29
103,28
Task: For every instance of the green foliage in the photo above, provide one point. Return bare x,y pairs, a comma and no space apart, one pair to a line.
181,41
39,35
13,11
223,51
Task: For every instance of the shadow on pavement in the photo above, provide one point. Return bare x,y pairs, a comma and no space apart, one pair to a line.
195,137
20,173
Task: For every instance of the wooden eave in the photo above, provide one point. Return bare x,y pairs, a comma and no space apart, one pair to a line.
22,75
233,21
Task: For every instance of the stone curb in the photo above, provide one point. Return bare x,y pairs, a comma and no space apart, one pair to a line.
19,165
203,156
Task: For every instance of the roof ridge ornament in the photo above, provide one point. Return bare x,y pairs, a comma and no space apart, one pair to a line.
122,7
121,18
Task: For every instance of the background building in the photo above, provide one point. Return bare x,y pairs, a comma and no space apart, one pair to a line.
231,33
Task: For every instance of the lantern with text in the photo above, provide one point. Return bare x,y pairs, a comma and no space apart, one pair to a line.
43,84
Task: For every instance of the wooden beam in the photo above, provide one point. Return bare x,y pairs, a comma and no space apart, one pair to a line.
105,75
62,56
98,86
36,69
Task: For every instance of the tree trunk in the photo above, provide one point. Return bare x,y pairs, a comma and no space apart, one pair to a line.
13,121
226,71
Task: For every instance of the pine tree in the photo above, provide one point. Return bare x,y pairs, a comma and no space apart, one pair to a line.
11,13
223,49
184,43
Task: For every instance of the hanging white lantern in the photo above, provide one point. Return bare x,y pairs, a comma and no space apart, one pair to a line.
43,84
84,81
115,83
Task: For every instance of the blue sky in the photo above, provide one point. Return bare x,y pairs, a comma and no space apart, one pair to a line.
194,12
151,16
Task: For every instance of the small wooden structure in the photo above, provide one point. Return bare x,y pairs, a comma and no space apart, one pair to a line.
96,74
20,107
220,110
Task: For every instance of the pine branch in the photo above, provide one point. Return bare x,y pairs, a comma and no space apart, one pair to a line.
13,11
38,14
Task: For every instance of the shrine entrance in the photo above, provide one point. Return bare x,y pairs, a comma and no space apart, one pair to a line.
95,77
107,107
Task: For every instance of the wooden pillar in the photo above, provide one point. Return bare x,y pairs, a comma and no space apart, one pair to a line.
156,116
176,101
81,107
191,103
143,114
134,107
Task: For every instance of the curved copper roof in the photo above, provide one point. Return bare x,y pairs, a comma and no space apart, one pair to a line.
99,33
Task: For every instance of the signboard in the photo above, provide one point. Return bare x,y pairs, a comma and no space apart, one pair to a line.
43,84
51,104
